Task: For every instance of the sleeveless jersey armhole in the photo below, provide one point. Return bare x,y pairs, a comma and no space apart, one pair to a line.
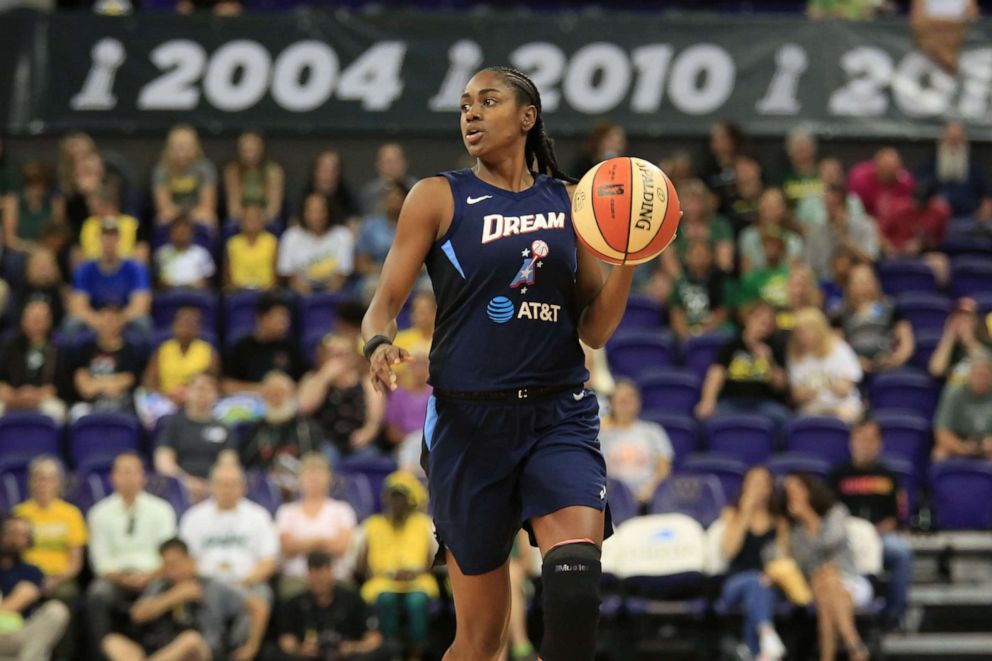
459,204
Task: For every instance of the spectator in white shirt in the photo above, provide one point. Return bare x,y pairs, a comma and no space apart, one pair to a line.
182,263
637,452
126,530
318,254
824,371
233,539
313,523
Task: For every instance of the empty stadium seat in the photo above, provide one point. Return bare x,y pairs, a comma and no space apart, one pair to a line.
910,391
670,391
925,312
925,344
787,463
260,489
643,313
699,496
961,494
729,471
631,354
95,439
971,276
25,435
170,489
826,438
165,304
906,436
682,431
749,438
899,276
623,503
699,351
318,312
239,314
356,490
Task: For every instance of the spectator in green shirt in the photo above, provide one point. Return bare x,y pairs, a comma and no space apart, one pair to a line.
28,211
768,283
697,303
700,223
964,417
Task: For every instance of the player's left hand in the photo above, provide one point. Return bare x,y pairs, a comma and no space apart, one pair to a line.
384,358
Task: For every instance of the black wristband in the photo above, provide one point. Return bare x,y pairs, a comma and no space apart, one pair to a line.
374,344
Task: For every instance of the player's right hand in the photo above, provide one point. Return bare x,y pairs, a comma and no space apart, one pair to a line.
384,358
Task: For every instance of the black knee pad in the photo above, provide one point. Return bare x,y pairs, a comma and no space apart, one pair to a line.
570,576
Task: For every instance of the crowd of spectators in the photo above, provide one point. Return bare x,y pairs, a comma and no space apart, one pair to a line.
779,262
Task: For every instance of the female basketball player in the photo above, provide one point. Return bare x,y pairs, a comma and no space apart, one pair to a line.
511,435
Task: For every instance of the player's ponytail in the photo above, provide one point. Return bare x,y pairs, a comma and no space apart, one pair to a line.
539,149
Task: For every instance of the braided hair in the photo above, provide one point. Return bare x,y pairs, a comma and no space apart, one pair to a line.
539,149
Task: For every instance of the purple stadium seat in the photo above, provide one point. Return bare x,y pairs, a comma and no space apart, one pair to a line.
699,351
165,304
634,353
970,276
984,303
909,391
356,490
926,344
623,503
925,312
785,463
899,276
749,438
86,489
961,494
318,312
95,439
826,438
643,313
699,496
376,468
13,490
261,490
169,489
907,437
25,435
958,246
312,340
671,391
728,470
682,431
908,477
239,315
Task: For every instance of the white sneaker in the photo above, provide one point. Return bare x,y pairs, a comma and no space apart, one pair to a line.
771,645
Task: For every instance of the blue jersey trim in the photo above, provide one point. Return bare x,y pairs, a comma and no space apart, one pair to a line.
430,421
449,252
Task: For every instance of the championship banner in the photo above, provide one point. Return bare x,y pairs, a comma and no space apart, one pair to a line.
403,72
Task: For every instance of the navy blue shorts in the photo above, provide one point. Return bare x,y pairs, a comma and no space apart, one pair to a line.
492,466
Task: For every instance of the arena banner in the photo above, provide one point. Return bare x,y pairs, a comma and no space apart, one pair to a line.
404,72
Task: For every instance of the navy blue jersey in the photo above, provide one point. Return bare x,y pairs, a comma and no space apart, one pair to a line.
504,278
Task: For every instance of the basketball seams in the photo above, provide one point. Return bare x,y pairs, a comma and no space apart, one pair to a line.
630,208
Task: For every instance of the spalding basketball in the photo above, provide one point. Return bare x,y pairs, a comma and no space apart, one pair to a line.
625,211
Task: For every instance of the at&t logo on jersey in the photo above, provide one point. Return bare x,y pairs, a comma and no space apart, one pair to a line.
501,310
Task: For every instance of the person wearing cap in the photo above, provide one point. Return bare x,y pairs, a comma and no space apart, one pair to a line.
132,244
329,620
396,557
110,280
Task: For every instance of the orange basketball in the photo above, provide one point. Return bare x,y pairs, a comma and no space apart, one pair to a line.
625,211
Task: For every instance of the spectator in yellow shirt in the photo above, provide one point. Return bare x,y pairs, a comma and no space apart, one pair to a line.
251,254
397,558
131,244
180,358
417,338
57,529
